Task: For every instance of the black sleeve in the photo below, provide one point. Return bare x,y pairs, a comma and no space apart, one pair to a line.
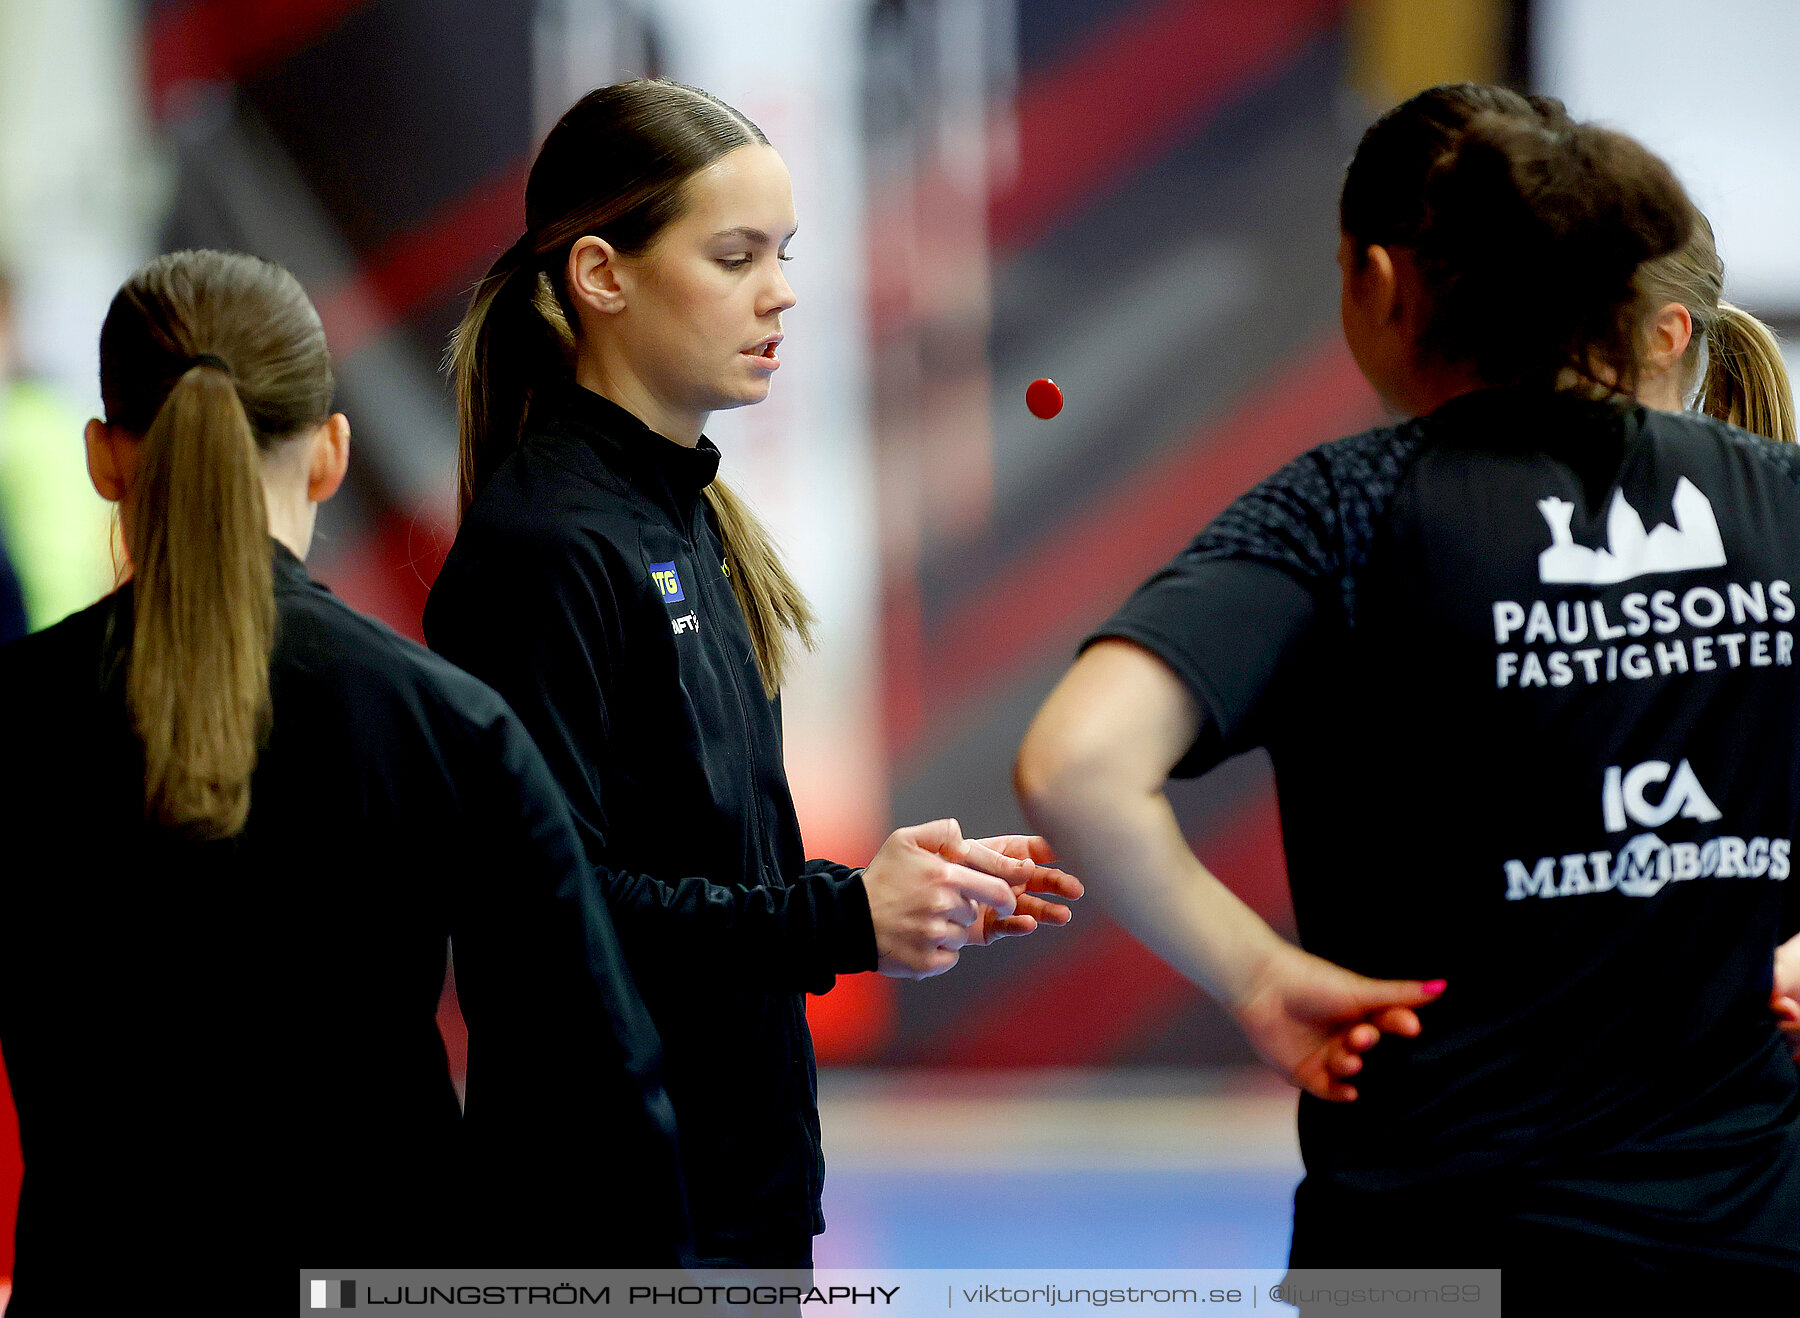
571,1133
542,625
1237,610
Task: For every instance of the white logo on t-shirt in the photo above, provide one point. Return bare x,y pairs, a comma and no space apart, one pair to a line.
1693,542
1622,795
1643,865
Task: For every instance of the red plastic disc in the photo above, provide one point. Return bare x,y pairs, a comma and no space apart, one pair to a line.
1043,398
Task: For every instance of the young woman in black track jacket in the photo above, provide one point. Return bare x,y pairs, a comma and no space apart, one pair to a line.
1526,667
632,611
244,821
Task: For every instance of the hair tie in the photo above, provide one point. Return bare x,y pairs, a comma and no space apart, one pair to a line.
210,359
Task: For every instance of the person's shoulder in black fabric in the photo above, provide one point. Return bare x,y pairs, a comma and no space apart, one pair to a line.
43,656
542,549
1285,558
1277,565
540,535
556,494
320,639
50,683
1697,427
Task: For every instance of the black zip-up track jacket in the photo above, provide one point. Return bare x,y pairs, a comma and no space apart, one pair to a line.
587,584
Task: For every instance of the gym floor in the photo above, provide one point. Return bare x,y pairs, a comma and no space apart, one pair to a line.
1073,1169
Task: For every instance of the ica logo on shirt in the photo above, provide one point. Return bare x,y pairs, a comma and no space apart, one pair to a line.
1644,864
668,585
1623,795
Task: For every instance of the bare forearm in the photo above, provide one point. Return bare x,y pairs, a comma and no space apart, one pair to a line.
1090,775
1128,846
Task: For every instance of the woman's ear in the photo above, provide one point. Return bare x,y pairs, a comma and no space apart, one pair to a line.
595,278
1671,329
110,456
1667,334
330,458
1371,282
1395,288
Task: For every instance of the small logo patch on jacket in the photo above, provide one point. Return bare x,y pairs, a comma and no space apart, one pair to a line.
667,583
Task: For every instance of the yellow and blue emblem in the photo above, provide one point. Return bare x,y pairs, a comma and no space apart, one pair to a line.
667,583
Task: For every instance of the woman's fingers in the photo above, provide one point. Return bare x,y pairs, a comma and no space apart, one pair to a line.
1398,1020
963,912
1332,1085
1042,911
1023,846
1030,856
1374,996
1010,926
1328,1074
1055,883
975,887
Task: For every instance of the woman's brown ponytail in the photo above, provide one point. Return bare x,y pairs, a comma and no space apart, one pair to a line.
519,331
503,347
204,607
213,358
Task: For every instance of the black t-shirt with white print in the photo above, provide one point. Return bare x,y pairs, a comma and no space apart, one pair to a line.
1526,668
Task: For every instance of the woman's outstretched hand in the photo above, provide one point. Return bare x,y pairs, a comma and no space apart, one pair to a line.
933,892
1030,907
1313,1021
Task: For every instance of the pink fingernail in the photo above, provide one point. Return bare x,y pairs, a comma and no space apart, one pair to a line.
1435,986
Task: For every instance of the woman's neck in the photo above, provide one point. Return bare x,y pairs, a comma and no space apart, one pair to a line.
624,388
1661,390
1425,392
292,514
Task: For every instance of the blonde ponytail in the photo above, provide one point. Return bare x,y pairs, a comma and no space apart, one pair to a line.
212,359
773,605
1746,380
203,595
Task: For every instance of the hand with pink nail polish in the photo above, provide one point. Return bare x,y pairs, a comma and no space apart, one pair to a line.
1313,1020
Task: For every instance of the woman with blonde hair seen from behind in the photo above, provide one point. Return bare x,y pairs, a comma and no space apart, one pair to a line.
257,815
1746,378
